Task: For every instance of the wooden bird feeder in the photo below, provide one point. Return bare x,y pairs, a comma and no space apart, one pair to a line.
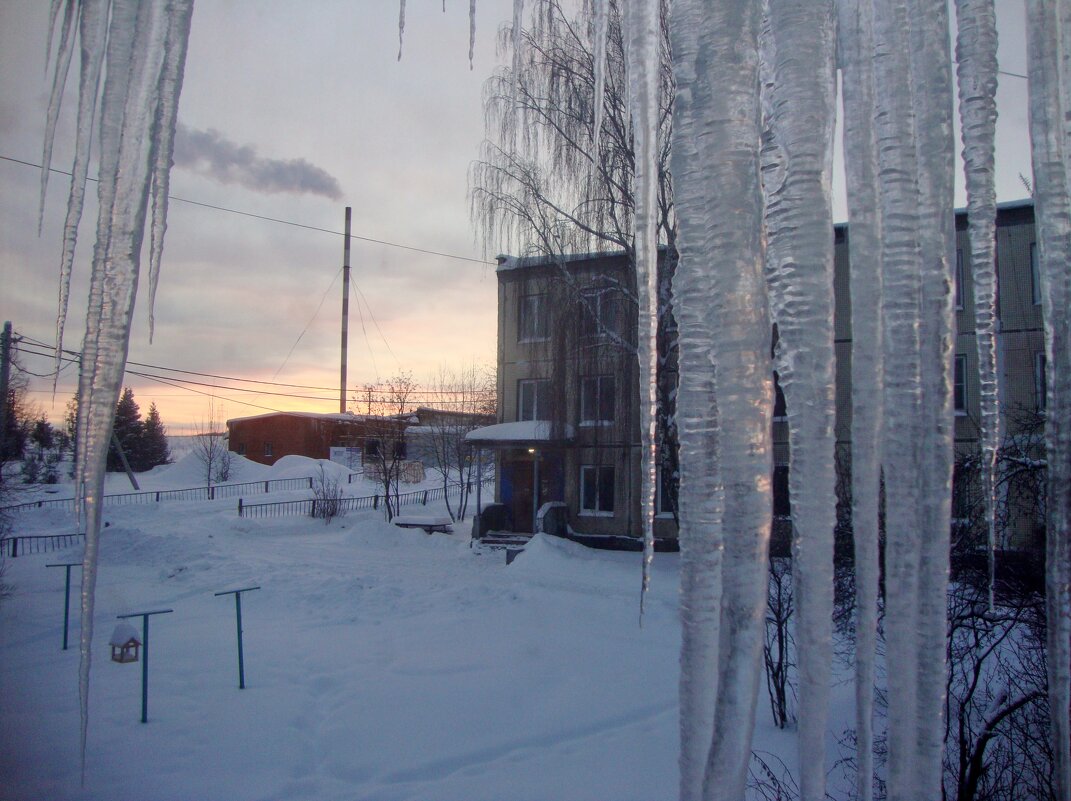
124,643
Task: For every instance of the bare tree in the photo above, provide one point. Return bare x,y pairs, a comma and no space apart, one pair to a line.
384,446
210,448
327,497
542,187
466,401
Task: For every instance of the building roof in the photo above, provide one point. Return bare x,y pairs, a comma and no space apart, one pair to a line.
348,417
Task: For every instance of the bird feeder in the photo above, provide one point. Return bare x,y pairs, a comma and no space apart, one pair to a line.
124,643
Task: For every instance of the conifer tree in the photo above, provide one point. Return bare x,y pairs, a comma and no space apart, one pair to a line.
154,449
127,429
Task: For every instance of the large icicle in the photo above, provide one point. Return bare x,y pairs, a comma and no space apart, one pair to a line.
931,78
1049,64
799,222
855,46
725,330
976,54
895,121
139,95
644,70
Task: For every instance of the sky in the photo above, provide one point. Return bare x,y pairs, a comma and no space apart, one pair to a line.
293,111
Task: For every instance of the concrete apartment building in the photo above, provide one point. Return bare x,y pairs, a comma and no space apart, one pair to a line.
566,357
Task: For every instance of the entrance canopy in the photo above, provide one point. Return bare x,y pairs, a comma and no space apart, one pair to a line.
520,434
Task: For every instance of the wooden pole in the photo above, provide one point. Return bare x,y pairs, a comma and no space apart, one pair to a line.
345,314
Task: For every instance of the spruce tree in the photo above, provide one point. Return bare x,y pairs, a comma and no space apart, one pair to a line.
154,448
127,429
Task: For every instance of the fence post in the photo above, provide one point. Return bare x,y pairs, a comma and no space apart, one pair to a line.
375,501
14,547
425,498
239,507
211,493
312,513
266,490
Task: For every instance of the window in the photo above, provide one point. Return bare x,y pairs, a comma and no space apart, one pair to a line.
959,386
599,313
780,409
1035,274
667,491
532,318
597,400
1041,386
960,278
597,490
371,448
267,449
241,449
533,399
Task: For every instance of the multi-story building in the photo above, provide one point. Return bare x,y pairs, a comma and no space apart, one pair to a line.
568,384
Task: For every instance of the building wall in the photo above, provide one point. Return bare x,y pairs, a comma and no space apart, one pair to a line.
268,438
563,356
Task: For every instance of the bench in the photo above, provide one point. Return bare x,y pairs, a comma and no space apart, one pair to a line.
430,523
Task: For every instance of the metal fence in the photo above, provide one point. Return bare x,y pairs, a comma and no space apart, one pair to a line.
212,493
22,546
308,507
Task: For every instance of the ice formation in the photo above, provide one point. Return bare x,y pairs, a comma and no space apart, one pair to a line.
855,42
976,53
144,56
799,107
897,90
1049,67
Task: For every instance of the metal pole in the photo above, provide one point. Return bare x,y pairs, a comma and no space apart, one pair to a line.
145,656
535,490
345,314
479,486
238,614
66,597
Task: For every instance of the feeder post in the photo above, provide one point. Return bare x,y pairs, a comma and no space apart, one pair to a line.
238,614
66,597
145,656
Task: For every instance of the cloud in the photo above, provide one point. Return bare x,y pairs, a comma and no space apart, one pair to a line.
213,155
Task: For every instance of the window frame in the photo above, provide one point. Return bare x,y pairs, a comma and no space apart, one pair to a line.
269,450
537,395
532,322
960,287
586,400
959,385
602,472
598,317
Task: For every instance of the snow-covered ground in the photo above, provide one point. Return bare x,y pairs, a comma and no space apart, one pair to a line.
380,663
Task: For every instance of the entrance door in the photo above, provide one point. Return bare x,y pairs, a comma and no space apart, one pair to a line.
521,501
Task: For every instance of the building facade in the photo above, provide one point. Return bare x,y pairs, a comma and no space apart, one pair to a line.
567,357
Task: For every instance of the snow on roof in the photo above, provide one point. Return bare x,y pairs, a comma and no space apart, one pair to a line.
518,432
506,262
123,634
347,417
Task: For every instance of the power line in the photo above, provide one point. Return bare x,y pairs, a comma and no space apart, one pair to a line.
371,240
378,393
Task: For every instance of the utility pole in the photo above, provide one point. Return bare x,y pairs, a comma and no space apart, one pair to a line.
345,314
5,377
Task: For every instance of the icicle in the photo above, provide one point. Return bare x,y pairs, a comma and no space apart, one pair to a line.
931,77
643,36
724,336
472,31
141,37
799,221
855,46
401,26
976,54
180,11
599,68
1049,67
93,29
898,173
63,63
